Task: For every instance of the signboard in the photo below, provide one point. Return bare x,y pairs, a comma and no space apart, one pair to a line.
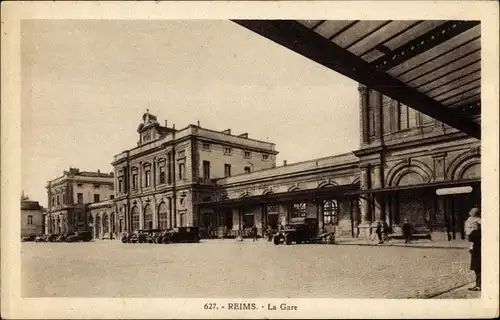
456,190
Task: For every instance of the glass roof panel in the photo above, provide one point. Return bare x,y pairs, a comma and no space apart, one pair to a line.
436,91
448,94
448,78
413,33
460,98
357,31
457,65
330,27
437,50
441,60
380,36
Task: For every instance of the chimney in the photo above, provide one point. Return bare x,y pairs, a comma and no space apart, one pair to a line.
198,123
284,163
166,126
98,171
173,126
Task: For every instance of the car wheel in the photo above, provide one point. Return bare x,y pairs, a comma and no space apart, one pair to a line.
288,241
276,240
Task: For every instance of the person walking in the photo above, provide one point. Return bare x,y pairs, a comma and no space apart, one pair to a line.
254,233
473,231
407,230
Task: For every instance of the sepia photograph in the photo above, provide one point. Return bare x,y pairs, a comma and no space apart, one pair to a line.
254,164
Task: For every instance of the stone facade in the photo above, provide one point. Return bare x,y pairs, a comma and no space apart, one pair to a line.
160,182
408,153
32,222
69,195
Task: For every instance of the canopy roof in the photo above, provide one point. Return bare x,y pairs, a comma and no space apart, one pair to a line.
432,66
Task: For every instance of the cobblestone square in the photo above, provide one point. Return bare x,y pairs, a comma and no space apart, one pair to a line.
225,268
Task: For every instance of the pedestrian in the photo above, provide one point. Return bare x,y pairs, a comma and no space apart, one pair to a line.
254,232
269,233
473,231
407,230
378,231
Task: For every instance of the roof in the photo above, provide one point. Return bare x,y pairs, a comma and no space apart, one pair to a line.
432,66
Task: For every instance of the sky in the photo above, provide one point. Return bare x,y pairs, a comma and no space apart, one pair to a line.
86,83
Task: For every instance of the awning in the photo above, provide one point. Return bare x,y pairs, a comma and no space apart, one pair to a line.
433,185
320,193
431,66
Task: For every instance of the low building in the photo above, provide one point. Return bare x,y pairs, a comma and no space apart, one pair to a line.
69,195
32,213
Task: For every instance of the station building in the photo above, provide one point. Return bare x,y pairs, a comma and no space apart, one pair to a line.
226,183
69,195
32,222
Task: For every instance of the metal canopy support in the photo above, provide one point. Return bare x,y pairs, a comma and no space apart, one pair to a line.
302,40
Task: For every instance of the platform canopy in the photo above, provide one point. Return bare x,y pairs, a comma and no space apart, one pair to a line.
431,66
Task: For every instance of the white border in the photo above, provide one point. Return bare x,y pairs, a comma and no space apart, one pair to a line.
13,306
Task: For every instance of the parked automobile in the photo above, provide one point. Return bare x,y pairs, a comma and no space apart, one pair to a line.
152,235
125,237
139,236
63,237
41,238
51,237
84,236
182,234
298,231
30,238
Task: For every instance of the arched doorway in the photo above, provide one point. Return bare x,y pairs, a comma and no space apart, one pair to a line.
113,223
162,216
134,215
148,218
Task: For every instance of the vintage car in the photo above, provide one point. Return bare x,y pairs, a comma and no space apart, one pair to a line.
30,238
63,237
181,234
51,238
84,236
303,230
152,235
41,238
139,236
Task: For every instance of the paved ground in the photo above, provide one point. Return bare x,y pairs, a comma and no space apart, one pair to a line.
225,268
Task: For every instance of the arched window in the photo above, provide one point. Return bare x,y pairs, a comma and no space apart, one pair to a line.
148,218
135,218
330,212
162,216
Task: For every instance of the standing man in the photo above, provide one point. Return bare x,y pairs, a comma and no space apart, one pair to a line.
254,232
473,231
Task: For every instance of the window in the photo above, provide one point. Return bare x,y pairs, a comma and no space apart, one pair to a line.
162,174
120,184
96,197
403,117
330,212
298,210
182,171
53,201
206,146
248,219
79,198
58,202
64,199
96,186
181,154
135,181
247,154
227,150
247,169
265,156
112,196
147,176
30,219
227,170
206,169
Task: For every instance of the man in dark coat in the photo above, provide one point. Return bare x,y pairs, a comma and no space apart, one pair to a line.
254,233
475,257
